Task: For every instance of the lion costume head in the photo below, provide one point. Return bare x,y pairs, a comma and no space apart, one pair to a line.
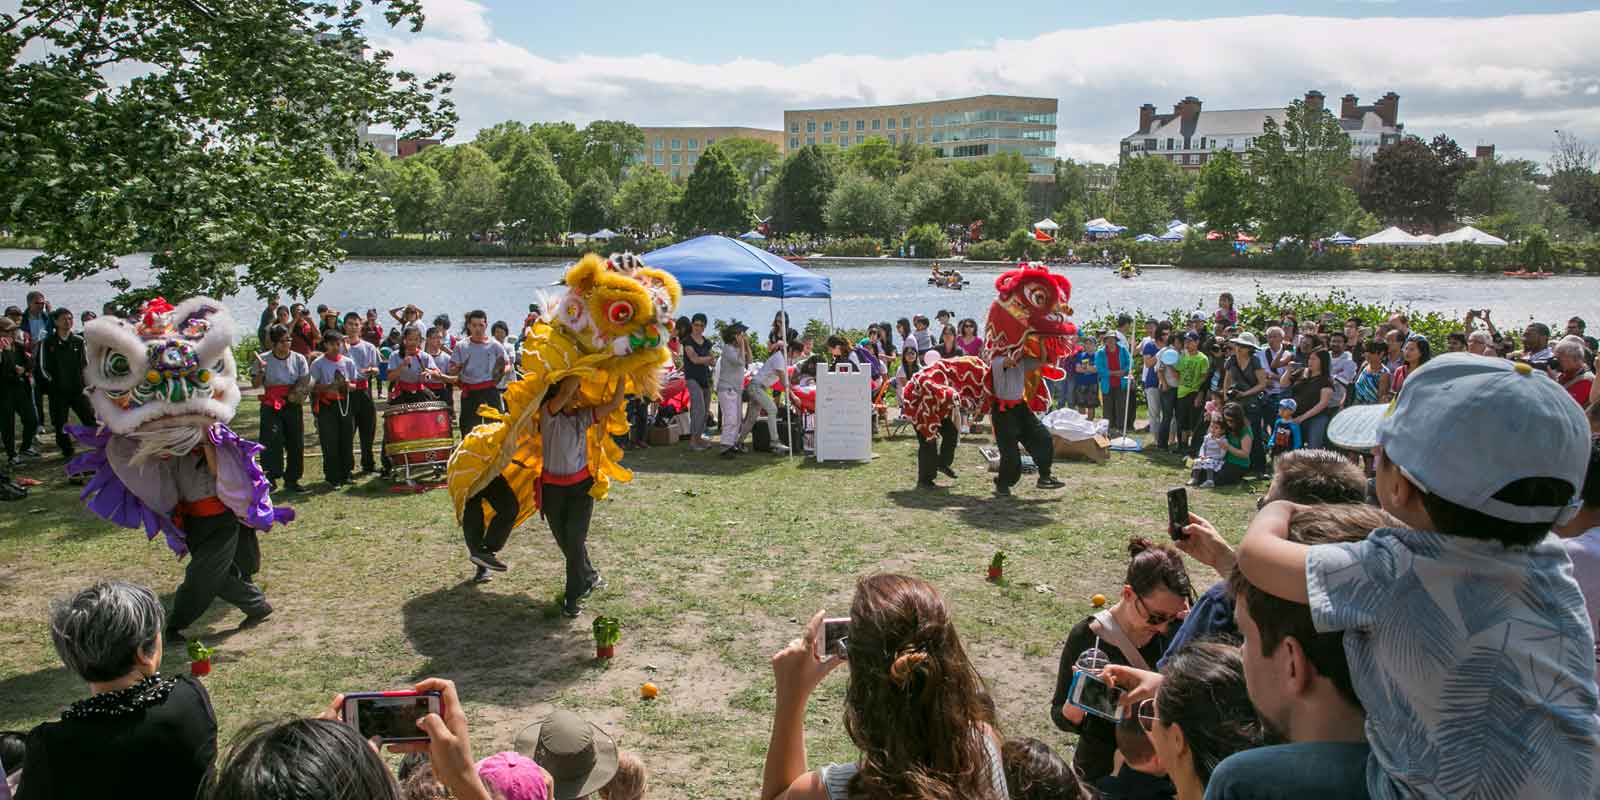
1029,318
614,320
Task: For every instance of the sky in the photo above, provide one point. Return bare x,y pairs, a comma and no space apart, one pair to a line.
1502,73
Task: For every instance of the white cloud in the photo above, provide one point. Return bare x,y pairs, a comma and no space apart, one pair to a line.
1507,80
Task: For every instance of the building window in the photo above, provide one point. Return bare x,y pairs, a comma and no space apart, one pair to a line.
1202,143
811,126
844,140
827,138
1230,144
827,126
677,173
905,123
861,124
844,125
892,139
794,127
693,159
710,141
676,143
694,144
876,123
891,123
922,138
860,139
1169,144
657,160
794,143
659,143
810,140
676,159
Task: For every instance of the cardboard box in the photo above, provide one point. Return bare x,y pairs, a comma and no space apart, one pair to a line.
660,436
1096,449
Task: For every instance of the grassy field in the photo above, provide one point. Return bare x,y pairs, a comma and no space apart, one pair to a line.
713,565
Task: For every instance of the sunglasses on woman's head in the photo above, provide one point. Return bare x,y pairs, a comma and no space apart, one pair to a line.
1145,712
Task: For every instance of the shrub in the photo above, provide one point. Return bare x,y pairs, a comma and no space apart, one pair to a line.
855,247
1021,245
987,250
928,241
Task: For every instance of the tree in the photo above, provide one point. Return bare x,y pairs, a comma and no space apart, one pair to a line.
537,201
644,202
804,182
417,193
996,201
1497,186
910,154
591,203
875,158
472,189
928,194
1572,178
715,199
1414,183
1222,195
755,159
564,142
1300,163
500,141
862,205
1142,195
220,136
1071,218
607,146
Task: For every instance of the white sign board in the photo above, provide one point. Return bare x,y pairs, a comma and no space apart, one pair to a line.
844,415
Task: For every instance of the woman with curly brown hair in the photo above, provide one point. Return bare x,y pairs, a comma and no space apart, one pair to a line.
914,706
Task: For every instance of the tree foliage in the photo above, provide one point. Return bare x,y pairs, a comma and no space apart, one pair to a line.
592,204
1223,194
417,194
222,152
472,182
875,158
753,158
804,182
715,199
606,147
861,204
1414,184
1301,163
1143,194
537,201
644,202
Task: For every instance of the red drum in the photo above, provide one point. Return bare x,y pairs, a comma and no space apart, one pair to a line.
417,436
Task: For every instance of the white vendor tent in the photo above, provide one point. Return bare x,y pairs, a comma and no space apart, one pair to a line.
1046,224
1393,237
1470,235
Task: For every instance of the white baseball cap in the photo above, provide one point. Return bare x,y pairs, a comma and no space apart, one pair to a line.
1464,427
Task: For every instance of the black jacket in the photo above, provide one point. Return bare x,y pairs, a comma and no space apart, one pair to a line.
11,358
157,738
61,363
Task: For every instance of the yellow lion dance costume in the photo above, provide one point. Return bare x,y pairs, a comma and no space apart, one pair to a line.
614,320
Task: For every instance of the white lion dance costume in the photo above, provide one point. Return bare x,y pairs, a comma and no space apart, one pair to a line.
165,387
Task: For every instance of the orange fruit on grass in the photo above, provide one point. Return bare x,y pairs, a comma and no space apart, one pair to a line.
649,691
1098,600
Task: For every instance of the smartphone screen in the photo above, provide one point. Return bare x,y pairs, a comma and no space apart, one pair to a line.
835,638
391,718
1177,512
1096,696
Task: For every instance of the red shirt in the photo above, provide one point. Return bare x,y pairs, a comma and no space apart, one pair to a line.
1579,386
303,338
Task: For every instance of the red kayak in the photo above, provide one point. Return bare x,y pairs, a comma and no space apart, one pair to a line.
1522,273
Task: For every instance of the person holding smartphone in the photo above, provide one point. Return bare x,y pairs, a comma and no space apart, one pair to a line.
1132,632
564,483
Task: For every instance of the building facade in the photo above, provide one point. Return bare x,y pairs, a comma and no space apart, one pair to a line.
675,150
1190,136
964,128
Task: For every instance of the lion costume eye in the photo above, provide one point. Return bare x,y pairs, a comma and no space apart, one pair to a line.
115,365
619,312
1037,296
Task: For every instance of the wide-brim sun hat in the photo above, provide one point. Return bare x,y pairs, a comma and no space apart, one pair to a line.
1503,417
1246,339
579,756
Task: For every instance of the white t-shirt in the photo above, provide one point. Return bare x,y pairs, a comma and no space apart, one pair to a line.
1585,554
775,366
1342,369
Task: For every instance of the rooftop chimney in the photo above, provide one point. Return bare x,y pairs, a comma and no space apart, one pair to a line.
1485,152
1350,107
1388,108
1187,109
1314,100
1147,116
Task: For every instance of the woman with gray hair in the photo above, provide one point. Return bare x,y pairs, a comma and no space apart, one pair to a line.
1572,357
137,731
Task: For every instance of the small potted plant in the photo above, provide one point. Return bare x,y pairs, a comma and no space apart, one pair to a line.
200,658
607,632
997,565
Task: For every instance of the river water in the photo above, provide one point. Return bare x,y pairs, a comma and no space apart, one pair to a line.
867,292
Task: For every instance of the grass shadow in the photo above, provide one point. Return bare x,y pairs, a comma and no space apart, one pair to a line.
511,645
43,693
1011,514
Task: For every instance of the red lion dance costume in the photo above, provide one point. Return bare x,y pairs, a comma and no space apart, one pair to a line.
1027,320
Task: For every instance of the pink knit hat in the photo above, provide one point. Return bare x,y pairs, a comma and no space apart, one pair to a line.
514,776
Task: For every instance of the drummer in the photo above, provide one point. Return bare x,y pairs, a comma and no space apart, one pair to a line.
478,363
440,384
284,377
363,412
409,368
332,376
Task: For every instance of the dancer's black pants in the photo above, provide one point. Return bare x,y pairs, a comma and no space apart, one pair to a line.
931,455
1014,429
503,502
568,509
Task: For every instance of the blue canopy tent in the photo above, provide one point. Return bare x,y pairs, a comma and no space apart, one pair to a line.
1145,237
752,236
1340,238
719,265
